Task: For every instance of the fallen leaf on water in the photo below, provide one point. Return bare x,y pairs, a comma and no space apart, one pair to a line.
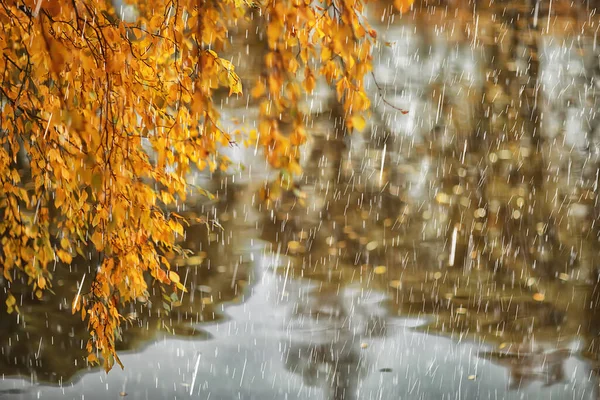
293,246
564,277
372,246
195,260
395,284
380,270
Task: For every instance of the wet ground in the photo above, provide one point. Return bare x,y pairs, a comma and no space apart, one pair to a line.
447,253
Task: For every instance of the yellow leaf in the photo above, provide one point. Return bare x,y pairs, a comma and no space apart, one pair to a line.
259,89
181,287
11,301
403,5
176,227
274,31
309,81
380,270
64,256
174,277
59,197
358,122
293,65
340,87
97,240
235,84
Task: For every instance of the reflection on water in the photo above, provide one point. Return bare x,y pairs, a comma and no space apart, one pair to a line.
323,338
450,252
528,365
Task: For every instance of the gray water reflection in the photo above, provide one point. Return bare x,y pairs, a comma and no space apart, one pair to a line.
450,252
275,347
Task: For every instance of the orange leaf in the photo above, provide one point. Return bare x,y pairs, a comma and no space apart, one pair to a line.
403,5
92,359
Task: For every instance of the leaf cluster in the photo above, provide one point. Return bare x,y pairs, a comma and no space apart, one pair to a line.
102,118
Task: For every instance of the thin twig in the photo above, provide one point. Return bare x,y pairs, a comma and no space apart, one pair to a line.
380,90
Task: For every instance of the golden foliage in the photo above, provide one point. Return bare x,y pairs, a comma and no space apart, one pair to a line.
84,94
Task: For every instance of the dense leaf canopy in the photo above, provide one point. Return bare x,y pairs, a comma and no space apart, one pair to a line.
106,109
